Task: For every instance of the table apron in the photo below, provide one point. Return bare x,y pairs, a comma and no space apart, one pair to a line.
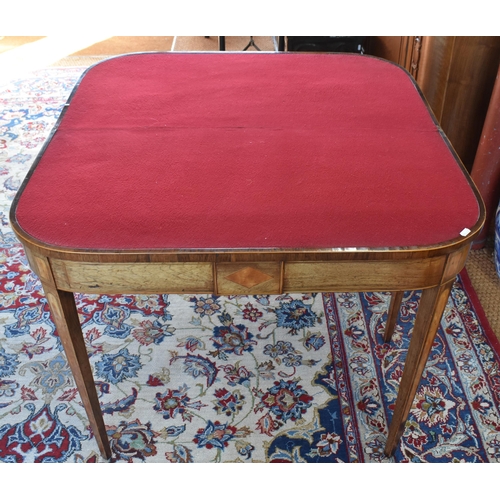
243,278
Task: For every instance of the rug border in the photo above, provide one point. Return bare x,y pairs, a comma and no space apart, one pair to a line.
478,308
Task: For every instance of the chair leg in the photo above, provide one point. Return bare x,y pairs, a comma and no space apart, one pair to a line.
430,310
251,43
65,316
392,315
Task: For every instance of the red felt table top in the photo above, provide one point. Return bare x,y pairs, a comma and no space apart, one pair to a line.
228,150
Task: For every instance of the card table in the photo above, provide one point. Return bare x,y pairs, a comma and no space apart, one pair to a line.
244,173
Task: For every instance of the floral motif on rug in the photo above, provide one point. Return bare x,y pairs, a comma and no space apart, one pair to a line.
203,378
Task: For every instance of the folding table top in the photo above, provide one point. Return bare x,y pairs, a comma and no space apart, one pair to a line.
231,150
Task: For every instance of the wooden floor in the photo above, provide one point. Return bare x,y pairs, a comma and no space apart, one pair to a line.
14,49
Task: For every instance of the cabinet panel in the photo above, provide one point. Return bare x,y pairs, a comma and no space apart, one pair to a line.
456,75
473,68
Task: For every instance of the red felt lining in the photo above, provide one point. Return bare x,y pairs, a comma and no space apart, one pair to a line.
246,150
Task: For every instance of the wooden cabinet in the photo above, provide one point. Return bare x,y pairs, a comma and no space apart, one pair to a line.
403,50
456,75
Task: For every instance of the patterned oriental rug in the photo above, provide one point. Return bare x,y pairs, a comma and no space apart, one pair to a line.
291,378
